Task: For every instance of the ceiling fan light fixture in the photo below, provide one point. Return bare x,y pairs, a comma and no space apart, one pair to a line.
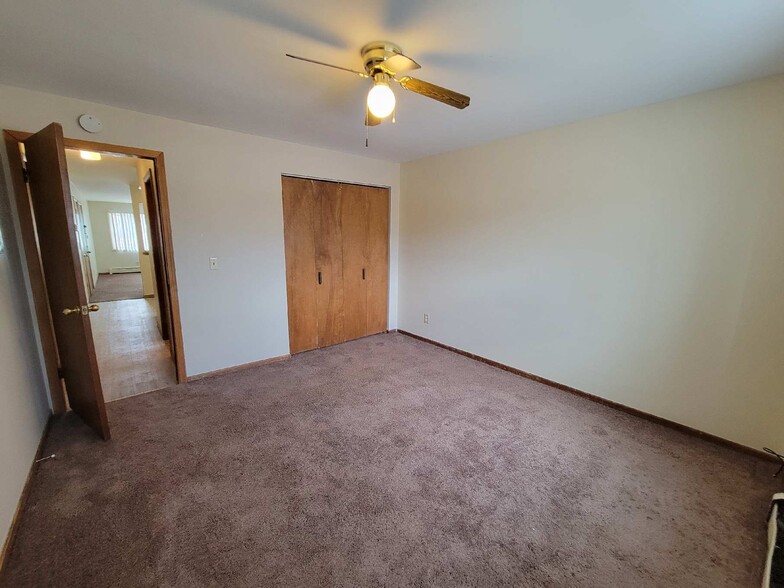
381,98
384,62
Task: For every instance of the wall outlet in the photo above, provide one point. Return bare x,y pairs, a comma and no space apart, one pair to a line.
213,263
426,319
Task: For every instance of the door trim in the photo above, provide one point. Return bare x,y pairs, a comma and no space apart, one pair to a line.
29,247
157,254
33,262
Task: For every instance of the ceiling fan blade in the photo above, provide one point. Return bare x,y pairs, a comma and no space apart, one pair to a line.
400,63
370,119
435,92
359,73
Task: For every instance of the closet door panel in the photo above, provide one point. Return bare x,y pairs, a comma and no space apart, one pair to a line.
377,273
329,265
354,226
300,210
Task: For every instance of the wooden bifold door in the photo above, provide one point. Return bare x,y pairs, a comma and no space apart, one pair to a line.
337,261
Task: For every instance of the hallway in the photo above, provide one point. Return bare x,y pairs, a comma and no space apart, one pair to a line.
132,357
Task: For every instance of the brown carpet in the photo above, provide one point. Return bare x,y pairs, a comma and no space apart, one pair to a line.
117,287
386,462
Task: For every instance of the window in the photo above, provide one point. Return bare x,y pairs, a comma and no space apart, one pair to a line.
145,233
123,231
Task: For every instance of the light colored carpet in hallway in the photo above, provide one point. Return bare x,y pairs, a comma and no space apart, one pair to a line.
386,462
111,287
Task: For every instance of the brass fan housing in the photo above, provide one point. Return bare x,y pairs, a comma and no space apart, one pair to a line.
376,53
384,61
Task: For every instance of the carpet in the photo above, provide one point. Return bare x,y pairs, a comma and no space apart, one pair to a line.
386,462
118,287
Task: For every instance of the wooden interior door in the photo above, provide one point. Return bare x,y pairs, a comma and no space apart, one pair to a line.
329,263
354,231
377,272
50,195
301,206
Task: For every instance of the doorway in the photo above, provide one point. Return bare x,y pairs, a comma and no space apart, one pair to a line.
96,233
115,210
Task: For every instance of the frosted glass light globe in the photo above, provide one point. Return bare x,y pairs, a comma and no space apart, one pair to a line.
381,100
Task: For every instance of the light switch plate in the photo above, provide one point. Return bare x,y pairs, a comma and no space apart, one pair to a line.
213,263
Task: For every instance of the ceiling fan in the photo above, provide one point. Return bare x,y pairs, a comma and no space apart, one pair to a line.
384,62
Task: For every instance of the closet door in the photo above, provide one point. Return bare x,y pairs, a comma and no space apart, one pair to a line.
337,261
329,264
301,210
355,208
377,271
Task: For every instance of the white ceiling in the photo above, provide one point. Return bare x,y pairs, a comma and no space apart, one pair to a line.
526,64
109,180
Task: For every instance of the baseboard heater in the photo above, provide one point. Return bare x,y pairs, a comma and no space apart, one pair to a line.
774,563
125,270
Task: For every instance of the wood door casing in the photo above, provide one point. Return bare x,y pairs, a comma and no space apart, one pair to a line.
156,253
354,205
300,207
29,244
329,264
60,259
377,274
13,139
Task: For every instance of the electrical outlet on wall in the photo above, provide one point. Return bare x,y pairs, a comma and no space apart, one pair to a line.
426,319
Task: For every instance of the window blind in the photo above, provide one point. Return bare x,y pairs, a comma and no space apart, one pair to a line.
123,231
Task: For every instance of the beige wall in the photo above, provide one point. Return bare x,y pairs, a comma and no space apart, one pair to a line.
225,195
637,256
106,258
24,405
140,197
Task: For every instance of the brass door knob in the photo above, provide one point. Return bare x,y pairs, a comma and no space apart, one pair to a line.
84,310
